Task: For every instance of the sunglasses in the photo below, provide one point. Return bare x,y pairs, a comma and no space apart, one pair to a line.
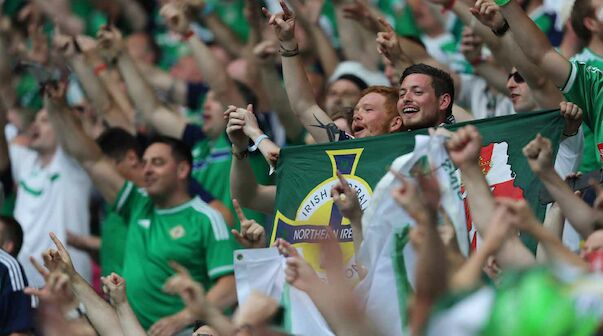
516,77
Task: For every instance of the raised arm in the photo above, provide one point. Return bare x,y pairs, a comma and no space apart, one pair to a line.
534,43
78,145
304,105
581,216
213,71
464,149
243,184
115,287
139,90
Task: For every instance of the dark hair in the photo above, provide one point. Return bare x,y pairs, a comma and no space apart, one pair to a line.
180,150
359,82
581,10
115,142
440,80
13,232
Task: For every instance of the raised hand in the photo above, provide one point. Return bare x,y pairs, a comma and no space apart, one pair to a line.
418,200
110,42
56,288
488,13
234,128
499,229
252,234
115,287
539,154
285,248
175,17
519,214
572,114
54,95
300,274
360,12
283,23
309,10
346,199
387,43
265,51
190,291
464,147
59,259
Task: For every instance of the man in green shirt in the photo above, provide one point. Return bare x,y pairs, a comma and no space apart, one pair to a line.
581,83
164,223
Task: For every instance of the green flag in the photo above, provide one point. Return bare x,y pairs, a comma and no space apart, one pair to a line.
306,174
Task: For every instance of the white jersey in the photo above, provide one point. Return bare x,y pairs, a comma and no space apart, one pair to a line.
53,198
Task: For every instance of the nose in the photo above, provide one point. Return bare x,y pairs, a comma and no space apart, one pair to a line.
407,97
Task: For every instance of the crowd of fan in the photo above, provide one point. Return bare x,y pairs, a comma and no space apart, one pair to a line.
142,135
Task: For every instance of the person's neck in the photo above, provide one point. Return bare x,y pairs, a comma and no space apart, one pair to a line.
46,157
171,200
596,46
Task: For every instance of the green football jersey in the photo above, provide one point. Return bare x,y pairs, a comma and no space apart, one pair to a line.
590,159
113,243
192,234
584,87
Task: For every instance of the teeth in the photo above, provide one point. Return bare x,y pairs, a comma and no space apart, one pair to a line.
410,110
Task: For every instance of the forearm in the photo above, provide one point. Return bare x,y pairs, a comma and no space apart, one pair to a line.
174,89
352,46
224,35
432,269
327,55
100,313
494,75
215,74
91,84
223,294
279,102
554,248
61,15
245,189
135,13
479,197
553,222
462,11
580,215
138,88
128,321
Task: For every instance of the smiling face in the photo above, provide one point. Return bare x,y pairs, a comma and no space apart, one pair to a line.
213,116
162,173
418,103
521,95
42,135
374,116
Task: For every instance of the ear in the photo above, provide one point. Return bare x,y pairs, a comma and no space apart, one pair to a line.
183,170
592,24
396,124
131,158
8,246
445,101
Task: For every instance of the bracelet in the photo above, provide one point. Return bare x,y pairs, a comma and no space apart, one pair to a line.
288,53
501,3
239,155
448,6
100,68
502,30
187,35
257,142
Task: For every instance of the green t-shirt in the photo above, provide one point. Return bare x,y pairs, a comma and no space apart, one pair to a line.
114,231
584,87
192,234
211,167
590,159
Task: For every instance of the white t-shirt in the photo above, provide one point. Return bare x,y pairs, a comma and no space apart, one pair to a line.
483,102
50,199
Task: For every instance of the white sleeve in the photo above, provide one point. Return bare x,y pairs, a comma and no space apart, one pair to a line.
569,155
463,98
20,158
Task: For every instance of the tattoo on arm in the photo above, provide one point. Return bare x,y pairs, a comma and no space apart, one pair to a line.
332,130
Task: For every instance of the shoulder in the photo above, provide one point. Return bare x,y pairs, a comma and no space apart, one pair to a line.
215,219
12,270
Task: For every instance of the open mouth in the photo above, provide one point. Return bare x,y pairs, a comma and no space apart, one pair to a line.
358,130
410,111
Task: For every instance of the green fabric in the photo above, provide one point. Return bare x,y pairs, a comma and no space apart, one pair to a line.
544,22
192,234
306,174
28,93
8,206
403,287
172,49
92,17
211,167
114,231
590,157
584,87
231,12
534,303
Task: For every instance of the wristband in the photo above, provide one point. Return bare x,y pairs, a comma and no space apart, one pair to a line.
501,3
239,155
289,53
187,35
257,142
100,68
448,6
502,30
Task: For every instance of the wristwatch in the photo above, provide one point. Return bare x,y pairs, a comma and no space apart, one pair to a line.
502,30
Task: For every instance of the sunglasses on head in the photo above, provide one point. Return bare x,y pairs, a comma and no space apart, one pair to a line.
516,77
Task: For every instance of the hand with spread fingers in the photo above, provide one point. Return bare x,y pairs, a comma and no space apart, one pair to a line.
56,288
360,12
283,23
346,199
539,154
252,234
420,199
572,114
309,10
